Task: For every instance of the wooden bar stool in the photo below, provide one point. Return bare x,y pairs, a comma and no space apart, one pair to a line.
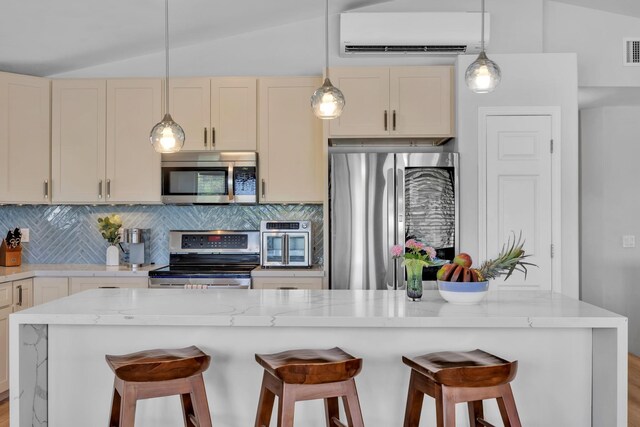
297,375
454,377
159,373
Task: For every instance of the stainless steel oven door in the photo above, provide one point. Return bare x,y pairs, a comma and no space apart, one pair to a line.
273,252
298,250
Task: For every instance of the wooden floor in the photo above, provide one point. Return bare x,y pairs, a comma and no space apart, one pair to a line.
634,396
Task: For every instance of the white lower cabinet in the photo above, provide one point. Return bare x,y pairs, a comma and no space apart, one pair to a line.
22,294
4,348
79,284
286,282
47,289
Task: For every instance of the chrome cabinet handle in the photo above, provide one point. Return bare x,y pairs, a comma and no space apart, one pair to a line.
46,188
394,120
20,295
263,190
386,120
213,137
205,137
108,189
100,189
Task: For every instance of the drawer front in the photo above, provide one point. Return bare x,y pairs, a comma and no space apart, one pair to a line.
6,294
79,284
286,282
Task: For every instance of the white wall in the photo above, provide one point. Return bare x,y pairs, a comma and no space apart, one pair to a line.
523,84
610,209
298,48
597,38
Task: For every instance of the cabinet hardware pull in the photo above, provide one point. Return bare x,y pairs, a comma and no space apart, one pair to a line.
263,190
108,189
20,295
287,288
46,188
213,137
107,287
385,120
100,189
205,137
394,119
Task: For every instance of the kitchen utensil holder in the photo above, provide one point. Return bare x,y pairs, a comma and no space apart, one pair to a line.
10,257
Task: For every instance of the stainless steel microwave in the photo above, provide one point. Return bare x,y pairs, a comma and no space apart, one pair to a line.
208,177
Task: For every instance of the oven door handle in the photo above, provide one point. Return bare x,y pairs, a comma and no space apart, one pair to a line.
230,182
285,250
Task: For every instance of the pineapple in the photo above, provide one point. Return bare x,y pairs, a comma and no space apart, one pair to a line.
510,258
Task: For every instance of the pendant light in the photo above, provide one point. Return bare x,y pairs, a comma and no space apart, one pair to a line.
327,101
483,75
167,136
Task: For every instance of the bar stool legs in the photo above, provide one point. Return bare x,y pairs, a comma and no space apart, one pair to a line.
289,394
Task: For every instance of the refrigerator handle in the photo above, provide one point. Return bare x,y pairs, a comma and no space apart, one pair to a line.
400,227
391,221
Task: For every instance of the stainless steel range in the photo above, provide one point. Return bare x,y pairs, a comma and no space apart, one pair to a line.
217,259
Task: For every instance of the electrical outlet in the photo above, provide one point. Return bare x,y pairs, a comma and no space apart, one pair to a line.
629,241
25,234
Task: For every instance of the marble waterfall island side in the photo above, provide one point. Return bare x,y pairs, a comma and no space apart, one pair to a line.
572,356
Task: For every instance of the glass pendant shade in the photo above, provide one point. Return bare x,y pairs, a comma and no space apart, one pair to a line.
327,101
483,75
167,136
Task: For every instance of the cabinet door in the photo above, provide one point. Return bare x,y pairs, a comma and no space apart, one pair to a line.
190,107
233,114
366,111
6,294
133,166
421,101
79,284
286,282
290,141
4,349
78,140
47,289
24,139
22,294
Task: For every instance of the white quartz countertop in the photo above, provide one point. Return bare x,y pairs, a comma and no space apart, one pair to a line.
315,308
26,271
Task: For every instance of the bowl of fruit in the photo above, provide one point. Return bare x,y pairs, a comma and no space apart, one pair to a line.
460,283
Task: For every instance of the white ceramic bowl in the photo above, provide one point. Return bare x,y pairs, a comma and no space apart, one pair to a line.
463,293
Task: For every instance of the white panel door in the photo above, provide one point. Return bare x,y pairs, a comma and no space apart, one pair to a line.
190,107
133,167
519,194
233,114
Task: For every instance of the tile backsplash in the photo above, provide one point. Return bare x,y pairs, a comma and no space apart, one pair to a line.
69,234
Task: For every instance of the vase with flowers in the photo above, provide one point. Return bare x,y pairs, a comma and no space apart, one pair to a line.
416,255
109,227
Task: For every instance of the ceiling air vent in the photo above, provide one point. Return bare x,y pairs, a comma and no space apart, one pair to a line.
632,51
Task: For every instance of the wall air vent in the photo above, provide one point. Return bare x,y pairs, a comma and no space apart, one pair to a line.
632,52
419,49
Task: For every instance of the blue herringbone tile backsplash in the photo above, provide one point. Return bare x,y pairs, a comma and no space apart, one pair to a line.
69,234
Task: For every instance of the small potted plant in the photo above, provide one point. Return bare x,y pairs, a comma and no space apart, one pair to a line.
109,227
459,283
414,260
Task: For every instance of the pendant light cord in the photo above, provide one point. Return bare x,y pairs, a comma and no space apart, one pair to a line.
482,28
166,53
326,38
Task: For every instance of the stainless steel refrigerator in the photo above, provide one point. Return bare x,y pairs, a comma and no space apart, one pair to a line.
379,199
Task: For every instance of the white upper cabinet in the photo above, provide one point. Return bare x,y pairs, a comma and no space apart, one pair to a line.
396,101
24,139
217,113
78,140
133,166
100,141
290,140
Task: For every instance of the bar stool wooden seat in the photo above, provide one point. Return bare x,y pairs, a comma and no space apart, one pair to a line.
159,373
298,375
456,377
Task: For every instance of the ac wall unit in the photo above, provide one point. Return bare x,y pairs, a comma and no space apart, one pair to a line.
413,33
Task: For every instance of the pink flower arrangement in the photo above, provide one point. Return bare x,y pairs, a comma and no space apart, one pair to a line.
418,252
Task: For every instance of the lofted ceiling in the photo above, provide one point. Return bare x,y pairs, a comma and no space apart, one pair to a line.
43,37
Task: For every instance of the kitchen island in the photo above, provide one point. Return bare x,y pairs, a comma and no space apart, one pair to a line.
572,355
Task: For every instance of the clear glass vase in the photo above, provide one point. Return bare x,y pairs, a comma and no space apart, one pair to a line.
414,280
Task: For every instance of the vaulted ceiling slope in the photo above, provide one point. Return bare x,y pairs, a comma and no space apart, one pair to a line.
44,38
